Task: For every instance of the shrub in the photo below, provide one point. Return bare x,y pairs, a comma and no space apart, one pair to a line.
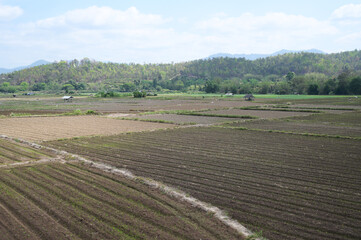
139,94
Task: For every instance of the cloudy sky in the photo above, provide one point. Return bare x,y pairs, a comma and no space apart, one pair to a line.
163,31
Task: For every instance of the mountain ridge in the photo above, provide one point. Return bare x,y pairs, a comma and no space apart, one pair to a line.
34,64
255,56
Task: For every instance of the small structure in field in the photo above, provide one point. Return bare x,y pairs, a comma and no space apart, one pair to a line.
249,97
68,98
229,94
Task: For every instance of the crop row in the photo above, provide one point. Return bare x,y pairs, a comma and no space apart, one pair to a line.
71,201
11,152
289,186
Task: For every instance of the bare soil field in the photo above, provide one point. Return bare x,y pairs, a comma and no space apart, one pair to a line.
72,201
288,186
114,105
12,152
50,128
299,127
344,119
258,113
186,119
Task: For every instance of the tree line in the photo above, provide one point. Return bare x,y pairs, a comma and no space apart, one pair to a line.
292,73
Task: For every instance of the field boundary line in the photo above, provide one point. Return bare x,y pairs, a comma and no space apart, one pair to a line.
170,191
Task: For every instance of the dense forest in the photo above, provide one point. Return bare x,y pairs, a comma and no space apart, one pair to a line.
292,73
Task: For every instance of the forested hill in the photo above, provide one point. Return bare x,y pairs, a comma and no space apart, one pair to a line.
292,72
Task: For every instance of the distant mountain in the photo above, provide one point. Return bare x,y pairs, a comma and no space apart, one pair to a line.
257,56
37,63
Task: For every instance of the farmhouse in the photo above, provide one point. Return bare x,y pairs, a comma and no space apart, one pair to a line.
249,97
68,98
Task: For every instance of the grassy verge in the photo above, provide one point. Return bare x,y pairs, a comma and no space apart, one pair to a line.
73,113
279,109
154,120
317,108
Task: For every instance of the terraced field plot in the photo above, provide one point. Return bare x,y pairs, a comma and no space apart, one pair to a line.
257,113
72,201
50,128
291,187
299,127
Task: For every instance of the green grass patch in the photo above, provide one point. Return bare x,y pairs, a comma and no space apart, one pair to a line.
217,115
258,108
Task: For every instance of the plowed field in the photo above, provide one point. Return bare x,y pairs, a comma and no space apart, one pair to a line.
300,127
71,201
291,187
258,113
184,119
12,153
50,128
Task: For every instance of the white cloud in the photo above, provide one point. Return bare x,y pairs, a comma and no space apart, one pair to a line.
101,17
272,31
9,12
347,11
279,22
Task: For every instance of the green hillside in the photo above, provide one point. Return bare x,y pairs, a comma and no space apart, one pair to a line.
301,73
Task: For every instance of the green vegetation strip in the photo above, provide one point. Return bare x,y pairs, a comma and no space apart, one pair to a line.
290,132
199,113
77,112
278,109
147,120
318,108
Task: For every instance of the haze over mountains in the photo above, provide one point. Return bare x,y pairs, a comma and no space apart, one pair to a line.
217,55
257,56
37,63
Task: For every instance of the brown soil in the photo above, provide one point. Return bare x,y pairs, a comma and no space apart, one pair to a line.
300,127
51,128
259,113
71,201
288,186
184,119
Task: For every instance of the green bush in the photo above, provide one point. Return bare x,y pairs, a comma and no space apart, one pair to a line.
139,94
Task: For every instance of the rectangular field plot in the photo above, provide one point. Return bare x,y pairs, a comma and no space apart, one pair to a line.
343,119
186,119
50,128
12,153
300,127
71,201
258,113
288,186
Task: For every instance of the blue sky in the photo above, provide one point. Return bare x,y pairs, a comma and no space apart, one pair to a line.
163,31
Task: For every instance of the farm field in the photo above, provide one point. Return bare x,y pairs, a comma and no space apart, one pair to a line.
288,186
46,105
186,119
50,128
285,186
346,124
12,153
344,119
73,201
258,113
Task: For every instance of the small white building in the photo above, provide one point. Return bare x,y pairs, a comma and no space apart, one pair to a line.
68,98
